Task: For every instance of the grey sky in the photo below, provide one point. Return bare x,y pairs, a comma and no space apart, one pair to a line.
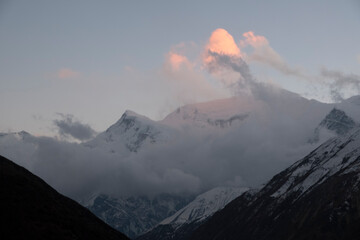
94,59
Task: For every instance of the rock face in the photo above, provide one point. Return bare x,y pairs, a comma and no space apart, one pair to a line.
31,209
137,214
318,197
186,220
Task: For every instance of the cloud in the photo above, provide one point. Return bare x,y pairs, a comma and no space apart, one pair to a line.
67,73
67,126
177,61
264,53
341,84
221,43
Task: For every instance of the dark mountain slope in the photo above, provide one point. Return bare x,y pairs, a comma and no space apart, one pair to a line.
31,209
316,198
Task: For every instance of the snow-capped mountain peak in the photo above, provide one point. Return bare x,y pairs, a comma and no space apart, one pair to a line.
130,133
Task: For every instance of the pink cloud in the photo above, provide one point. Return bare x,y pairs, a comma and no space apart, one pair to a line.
177,61
221,43
253,40
67,73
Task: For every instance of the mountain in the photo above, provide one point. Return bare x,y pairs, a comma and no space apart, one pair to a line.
186,220
131,132
31,209
318,197
137,214
337,122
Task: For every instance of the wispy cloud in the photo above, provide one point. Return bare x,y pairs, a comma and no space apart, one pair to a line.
264,53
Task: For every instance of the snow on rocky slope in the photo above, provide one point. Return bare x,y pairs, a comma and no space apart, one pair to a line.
183,222
336,156
204,205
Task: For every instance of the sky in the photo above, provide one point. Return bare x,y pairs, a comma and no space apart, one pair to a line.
83,63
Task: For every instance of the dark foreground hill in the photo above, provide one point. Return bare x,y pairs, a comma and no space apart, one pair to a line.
31,209
316,198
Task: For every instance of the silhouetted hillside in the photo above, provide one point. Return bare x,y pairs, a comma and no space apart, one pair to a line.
31,209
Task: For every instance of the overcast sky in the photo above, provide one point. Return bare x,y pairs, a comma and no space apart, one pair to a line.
87,61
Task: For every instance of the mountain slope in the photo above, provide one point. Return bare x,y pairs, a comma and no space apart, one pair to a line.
31,209
316,198
186,220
